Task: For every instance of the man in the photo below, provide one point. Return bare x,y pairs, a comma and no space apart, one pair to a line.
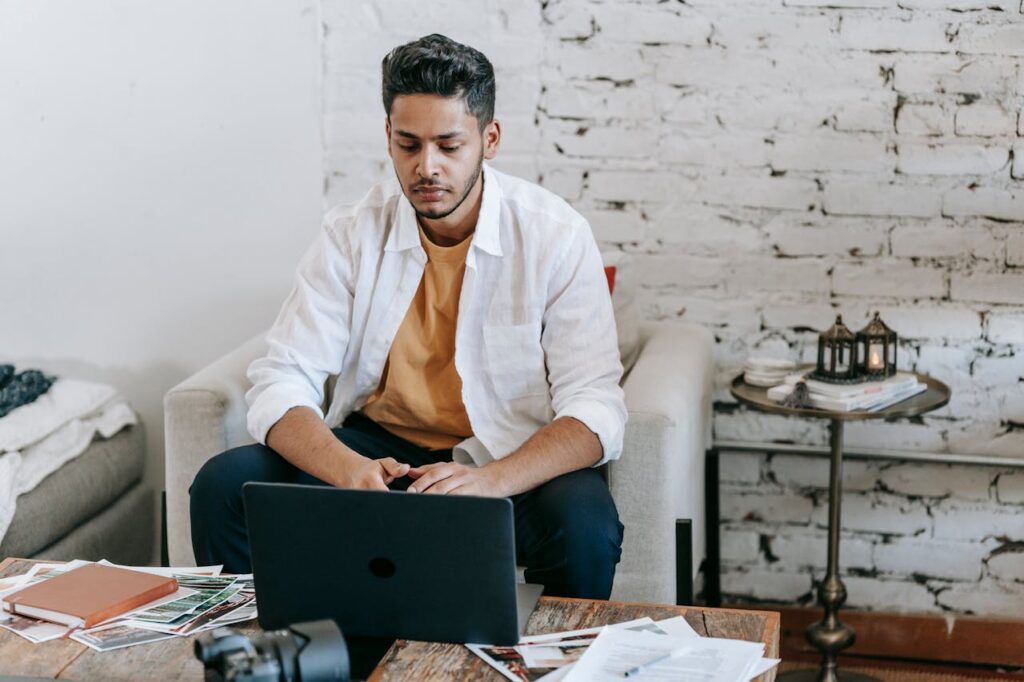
467,321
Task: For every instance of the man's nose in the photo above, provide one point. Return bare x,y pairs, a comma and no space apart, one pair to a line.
427,167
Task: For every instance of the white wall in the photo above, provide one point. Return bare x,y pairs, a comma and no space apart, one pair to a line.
160,175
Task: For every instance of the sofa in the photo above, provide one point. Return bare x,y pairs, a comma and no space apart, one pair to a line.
95,506
659,478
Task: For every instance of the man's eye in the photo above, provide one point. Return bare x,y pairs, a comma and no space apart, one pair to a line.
407,147
450,149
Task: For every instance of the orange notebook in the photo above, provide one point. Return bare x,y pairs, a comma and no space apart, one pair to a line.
88,595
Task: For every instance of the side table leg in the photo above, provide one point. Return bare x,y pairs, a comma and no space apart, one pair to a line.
830,636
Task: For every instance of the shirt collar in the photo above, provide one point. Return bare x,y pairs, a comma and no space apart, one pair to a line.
486,236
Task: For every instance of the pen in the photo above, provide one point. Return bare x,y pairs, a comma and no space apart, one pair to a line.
644,666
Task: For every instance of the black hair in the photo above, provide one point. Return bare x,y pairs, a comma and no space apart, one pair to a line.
437,65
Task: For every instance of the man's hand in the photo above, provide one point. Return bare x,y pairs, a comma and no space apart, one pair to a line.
449,478
363,473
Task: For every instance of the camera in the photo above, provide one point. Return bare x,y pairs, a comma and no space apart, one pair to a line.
303,652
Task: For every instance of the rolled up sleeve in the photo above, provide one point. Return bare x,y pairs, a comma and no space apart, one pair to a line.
307,341
581,344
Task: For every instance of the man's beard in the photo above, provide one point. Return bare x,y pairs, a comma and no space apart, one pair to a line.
437,215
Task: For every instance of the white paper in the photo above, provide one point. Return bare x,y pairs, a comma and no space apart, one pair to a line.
763,665
701,659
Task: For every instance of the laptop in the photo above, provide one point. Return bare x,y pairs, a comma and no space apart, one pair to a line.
434,568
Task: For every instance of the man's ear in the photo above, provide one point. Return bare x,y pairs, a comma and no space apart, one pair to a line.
387,132
492,139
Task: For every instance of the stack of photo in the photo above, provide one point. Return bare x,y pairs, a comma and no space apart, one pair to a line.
201,599
866,396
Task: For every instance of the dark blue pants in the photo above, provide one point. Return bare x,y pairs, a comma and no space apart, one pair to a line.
568,534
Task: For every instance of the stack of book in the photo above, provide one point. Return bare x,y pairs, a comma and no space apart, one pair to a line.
867,396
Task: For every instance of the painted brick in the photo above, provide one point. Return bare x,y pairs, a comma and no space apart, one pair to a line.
1004,39
593,142
835,237
739,468
901,279
682,105
1006,328
567,20
984,120
857,153
887,595
565,182
609,185
956,520
774,31
924,119
992,600
878,513
935,480
740,546
616,226
944,560
1008,566
1017,170
895,435
761,584
738,316
724,151
778,274
707,230
1010,489
990,202
912,35
796,471
678,270
748,426
951,159
613,62
597,99
810,550
988,287
640,24
938,240
713,69
799,313
933,322
862,197
870,113
839,3
760,192
1007,370
929,74
961,5
764,507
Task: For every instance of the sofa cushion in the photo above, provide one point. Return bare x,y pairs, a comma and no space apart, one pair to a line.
76,492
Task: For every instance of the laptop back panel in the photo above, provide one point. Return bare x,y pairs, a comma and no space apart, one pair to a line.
385,564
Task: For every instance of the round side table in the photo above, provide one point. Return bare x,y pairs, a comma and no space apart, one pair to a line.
830,636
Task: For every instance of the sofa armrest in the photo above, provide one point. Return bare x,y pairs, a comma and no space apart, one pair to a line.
203,416
660,476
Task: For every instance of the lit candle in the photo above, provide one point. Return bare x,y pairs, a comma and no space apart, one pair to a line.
875,357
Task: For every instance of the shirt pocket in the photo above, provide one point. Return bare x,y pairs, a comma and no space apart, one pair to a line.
515,359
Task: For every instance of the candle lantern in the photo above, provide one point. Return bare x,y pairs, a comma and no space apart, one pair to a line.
837,355
876,346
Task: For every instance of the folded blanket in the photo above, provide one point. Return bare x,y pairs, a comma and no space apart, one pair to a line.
40,437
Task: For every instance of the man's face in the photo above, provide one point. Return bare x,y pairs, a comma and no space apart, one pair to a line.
437,148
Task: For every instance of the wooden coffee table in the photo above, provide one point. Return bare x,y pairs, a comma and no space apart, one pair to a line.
173,659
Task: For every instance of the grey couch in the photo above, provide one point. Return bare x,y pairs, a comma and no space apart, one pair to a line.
94,507
660,477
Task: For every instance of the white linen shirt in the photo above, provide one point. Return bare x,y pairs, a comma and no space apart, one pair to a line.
535,335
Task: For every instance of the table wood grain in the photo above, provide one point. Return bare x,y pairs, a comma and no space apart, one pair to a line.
173,659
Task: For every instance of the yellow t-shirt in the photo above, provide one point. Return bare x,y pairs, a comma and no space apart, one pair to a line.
420,394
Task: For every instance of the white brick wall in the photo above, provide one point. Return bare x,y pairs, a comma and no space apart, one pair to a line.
770,163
